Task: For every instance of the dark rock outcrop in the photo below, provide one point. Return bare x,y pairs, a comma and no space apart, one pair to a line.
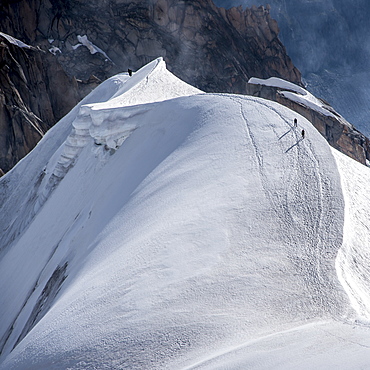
339,133
76,44
34,93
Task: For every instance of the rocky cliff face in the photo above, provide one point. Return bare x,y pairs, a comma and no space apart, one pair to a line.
76,44
209,47
34,93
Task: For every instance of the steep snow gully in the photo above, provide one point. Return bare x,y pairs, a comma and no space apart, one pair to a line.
156,227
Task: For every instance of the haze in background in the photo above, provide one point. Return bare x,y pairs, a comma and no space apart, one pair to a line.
329,41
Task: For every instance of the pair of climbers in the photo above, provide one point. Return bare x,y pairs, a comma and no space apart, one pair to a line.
295,125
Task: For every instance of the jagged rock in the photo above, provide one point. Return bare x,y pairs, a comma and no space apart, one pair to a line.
35,92
211,48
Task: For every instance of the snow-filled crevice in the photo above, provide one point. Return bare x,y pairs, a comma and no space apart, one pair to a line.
16,42
93,49
17,330
45,300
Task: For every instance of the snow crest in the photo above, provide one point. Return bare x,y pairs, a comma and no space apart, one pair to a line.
104,123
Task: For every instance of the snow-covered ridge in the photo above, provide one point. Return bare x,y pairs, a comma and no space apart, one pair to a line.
296,93
104,123
200,232
278,82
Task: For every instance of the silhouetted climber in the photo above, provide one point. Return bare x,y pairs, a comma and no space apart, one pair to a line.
295,122
303,134
129,72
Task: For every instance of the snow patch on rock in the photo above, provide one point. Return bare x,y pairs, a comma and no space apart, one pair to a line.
15,41
93,49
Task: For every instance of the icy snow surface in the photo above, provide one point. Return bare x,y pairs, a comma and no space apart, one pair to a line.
157,227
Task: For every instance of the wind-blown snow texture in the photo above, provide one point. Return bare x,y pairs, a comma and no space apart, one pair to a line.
159,227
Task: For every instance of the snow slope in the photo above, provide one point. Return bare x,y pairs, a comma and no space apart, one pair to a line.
353,257
159,227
